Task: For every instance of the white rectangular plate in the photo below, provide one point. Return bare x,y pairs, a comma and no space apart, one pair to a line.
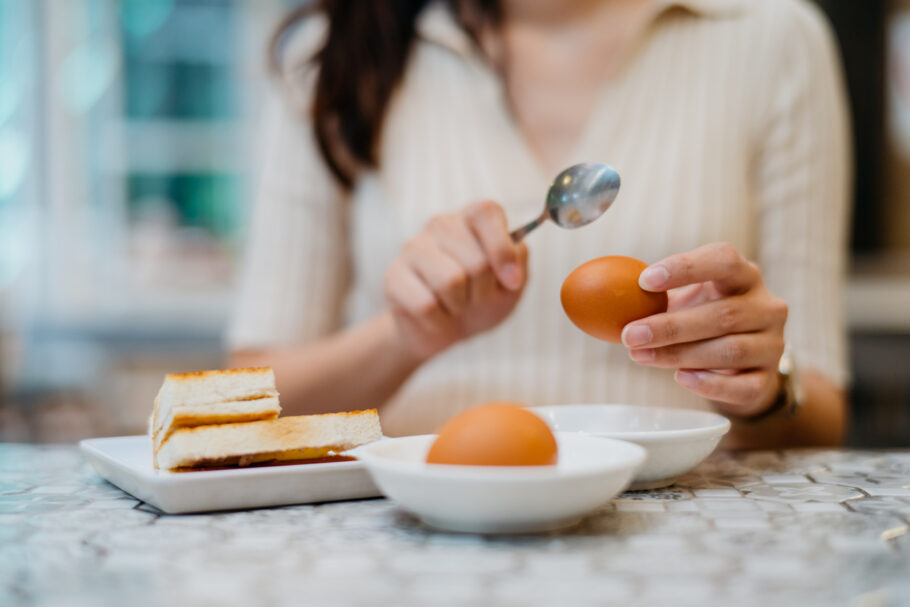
126,461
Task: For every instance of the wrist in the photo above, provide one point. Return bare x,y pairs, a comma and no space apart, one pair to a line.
788,397
395,347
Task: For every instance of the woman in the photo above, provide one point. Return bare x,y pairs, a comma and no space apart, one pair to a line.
375,278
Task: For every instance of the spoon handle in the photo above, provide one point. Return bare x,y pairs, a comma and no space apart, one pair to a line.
524,230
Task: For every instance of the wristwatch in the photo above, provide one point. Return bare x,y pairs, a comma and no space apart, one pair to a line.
790,395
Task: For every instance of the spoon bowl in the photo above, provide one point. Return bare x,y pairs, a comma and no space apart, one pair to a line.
578,195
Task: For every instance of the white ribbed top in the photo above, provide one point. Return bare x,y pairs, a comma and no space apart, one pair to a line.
727,122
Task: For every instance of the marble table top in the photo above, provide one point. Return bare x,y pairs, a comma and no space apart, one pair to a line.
763,528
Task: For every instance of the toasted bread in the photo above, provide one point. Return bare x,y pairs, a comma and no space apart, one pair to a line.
213,397
285,438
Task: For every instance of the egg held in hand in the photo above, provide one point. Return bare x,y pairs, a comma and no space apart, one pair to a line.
494,434
602,296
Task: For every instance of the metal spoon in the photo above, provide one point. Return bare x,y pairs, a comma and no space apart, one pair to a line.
578,196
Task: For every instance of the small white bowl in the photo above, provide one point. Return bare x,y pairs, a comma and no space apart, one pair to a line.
677,440
502,499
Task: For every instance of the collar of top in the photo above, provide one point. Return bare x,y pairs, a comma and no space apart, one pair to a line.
437,24
705,8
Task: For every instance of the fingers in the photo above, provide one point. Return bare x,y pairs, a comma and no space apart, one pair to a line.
689,296
724,330
460,276
456,239
736,314
443,275
407,293
719,262
487,221
742,351
747,392
458,260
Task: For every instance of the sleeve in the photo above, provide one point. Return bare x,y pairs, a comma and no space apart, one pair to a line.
294,275
803,179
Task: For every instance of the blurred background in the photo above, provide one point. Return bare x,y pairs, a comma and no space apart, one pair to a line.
127,138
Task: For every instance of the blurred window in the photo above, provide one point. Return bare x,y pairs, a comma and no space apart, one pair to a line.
126,143
18,148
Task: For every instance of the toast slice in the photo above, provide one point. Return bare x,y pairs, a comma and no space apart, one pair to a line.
299,437
213,397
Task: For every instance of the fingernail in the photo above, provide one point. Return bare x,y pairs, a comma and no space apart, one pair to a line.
642,356
687,379
654,277
637,335
511,276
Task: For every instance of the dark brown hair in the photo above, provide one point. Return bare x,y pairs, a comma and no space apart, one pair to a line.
360,65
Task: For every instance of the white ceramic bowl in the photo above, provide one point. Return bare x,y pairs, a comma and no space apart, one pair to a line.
677,440
503,499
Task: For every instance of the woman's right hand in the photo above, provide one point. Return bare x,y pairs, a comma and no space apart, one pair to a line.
460,276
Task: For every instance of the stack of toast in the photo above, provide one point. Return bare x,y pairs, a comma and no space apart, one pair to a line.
229,418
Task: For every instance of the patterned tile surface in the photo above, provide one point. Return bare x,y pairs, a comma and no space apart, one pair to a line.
793,528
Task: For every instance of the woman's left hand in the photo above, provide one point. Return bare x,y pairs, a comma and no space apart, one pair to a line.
723,330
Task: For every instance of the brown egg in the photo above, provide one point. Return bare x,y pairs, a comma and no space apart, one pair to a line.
494,434
602,296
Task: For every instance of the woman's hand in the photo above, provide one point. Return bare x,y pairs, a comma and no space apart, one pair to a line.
723,331
460,276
